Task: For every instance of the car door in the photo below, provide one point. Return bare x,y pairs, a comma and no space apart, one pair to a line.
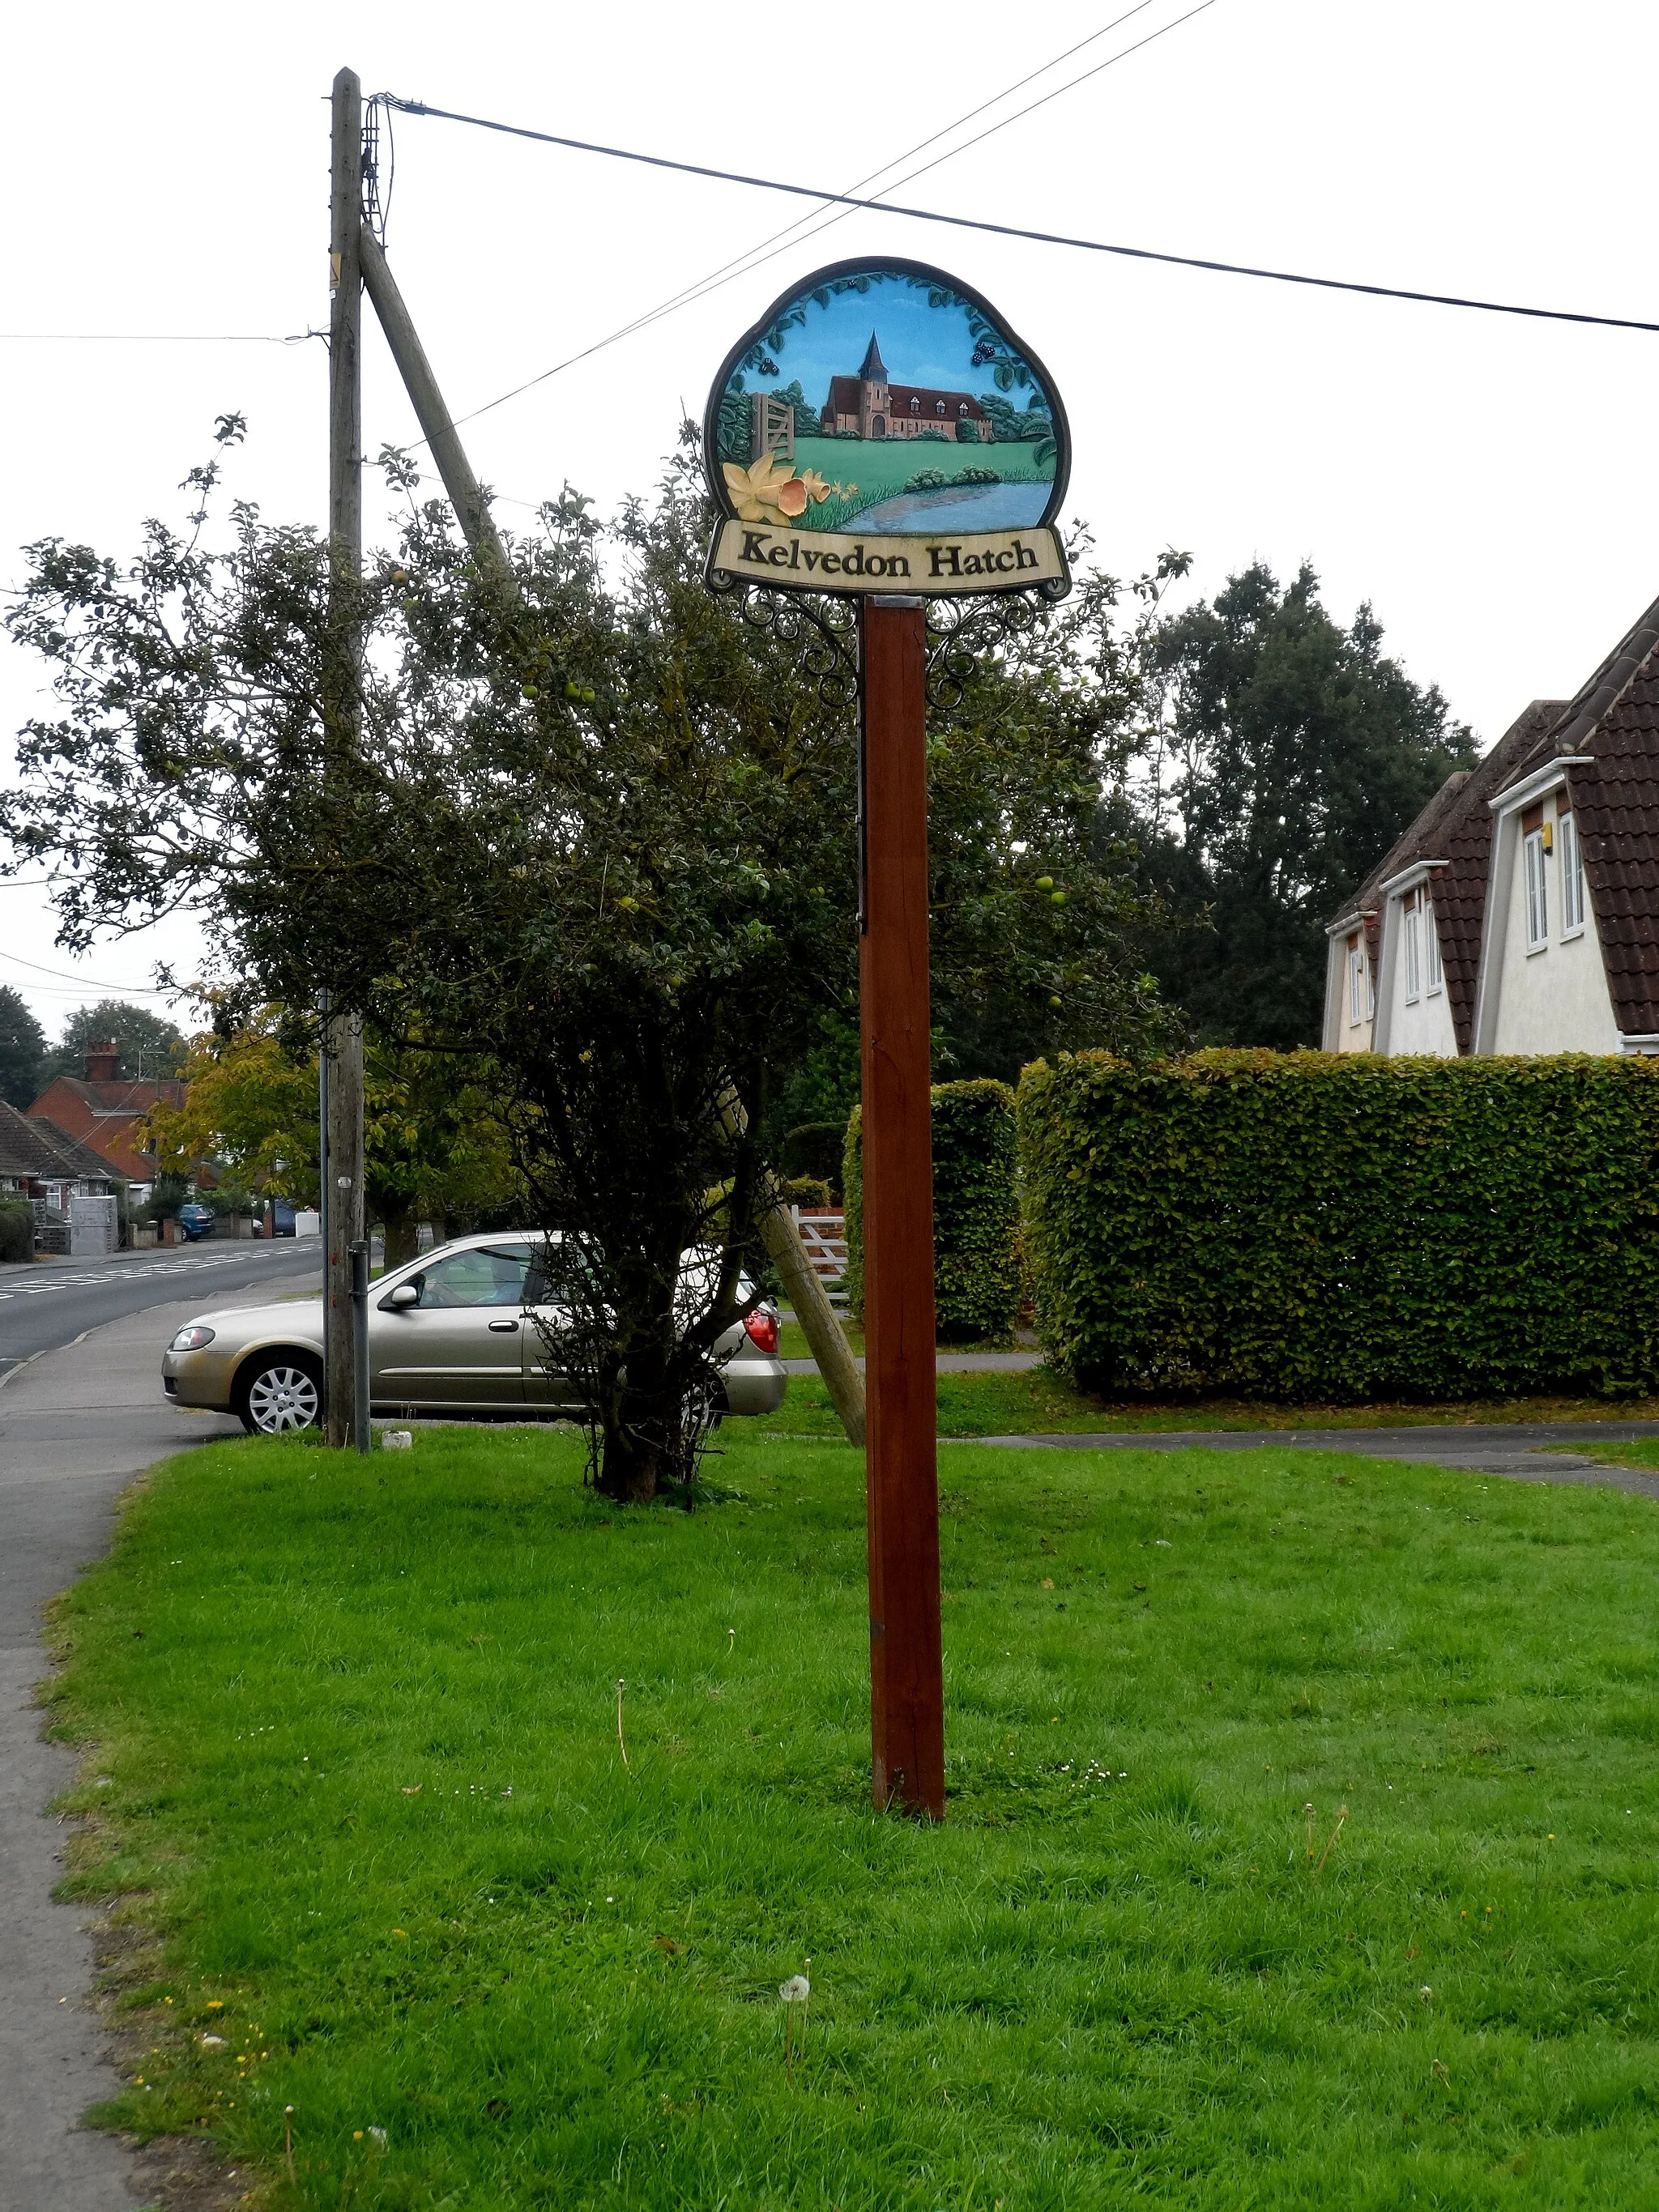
544,1385
460,1346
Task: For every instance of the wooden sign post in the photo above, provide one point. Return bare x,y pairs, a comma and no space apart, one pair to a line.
932,466
907,1684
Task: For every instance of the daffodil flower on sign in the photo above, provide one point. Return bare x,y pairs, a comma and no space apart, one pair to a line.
767,490
819,486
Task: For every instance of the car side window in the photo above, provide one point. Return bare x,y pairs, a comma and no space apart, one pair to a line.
479,1277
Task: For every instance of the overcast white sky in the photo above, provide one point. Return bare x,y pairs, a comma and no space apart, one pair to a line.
165,170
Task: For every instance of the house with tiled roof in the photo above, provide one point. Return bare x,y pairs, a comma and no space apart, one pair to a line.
1520,912
105,1111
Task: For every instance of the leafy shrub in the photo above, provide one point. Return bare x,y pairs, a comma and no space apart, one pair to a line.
810,1193
976,476
17,1231
1342,1227
926,480
978,1281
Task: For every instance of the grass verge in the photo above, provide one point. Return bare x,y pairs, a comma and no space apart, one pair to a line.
1032,1401
355,1794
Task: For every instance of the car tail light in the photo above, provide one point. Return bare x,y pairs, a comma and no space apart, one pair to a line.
763,1326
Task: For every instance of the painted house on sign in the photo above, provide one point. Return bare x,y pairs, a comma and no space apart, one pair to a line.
1520,912
869,406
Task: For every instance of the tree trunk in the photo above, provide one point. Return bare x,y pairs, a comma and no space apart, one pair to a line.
403,1236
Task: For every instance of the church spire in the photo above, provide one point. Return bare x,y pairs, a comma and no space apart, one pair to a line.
874,370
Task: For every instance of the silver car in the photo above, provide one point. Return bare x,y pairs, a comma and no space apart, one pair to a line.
451,1332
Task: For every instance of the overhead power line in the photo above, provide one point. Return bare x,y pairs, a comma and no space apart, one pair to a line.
1015,230
87,983
155,337
814,224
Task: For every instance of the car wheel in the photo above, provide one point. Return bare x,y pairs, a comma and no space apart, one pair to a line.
278,1393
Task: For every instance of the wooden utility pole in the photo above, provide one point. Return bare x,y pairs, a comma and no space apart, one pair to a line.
805,1293
906,1683
342,1035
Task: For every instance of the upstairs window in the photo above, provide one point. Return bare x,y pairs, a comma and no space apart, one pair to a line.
1356,983
915,407
1538,903
1572,877
1414,951
1431,934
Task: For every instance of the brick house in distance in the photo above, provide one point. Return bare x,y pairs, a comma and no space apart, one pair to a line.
1520,912
104,1112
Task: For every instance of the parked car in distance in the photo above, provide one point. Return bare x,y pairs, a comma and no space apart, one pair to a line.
196,1221
452,1332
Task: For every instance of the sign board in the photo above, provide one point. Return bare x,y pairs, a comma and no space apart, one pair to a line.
882,429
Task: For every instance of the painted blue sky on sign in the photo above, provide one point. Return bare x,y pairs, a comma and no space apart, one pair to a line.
954,428
920,343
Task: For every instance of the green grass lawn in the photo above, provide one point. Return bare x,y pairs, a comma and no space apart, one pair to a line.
1032,1401
880,467
354,1784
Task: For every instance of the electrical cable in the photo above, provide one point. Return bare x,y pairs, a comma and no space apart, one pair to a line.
1013,230
807,226
756,256
90,983
155,337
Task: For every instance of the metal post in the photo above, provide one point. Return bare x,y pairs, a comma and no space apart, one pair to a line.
360,1430
343,1037
907,1687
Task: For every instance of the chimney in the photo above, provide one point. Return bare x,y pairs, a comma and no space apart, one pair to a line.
101,1062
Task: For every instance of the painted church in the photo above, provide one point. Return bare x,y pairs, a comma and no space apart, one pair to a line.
870,406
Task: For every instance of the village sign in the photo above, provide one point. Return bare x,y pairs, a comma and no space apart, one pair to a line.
881,430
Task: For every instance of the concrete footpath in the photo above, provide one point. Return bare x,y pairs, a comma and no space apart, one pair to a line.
76,1426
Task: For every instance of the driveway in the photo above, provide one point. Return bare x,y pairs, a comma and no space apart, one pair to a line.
76,1423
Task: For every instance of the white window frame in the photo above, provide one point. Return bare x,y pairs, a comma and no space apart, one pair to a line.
1572,876
1537,891
1432,932
1356,975
1412,934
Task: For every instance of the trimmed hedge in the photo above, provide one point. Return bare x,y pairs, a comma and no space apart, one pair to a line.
17,1231
1336,1226
978,1278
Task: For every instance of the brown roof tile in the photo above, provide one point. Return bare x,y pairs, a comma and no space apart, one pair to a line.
36,1149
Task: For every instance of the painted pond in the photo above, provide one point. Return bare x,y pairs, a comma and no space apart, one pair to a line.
963,507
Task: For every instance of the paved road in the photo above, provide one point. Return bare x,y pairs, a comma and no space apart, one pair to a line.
48,1303
76,1426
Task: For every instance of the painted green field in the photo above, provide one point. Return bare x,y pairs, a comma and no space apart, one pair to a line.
881,467
1301,1848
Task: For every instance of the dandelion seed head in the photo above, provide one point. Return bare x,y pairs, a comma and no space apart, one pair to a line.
796,1990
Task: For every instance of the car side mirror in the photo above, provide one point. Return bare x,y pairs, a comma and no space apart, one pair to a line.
400,1299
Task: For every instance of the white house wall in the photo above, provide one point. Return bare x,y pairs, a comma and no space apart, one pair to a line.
1342,1035
1556,999
1423,1025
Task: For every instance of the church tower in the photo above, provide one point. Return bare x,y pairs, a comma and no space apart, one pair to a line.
875,403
